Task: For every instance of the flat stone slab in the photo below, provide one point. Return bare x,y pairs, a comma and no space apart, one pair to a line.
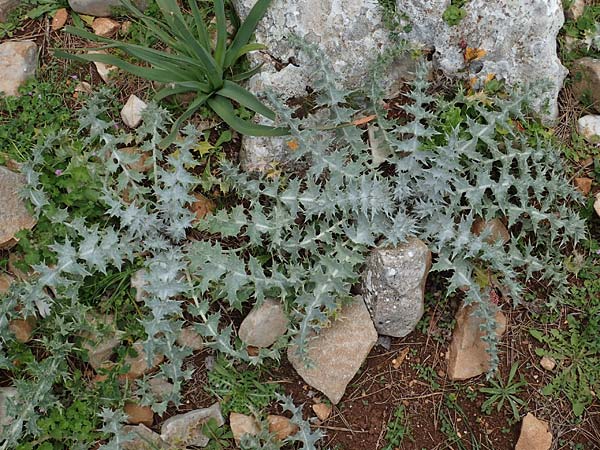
14,215
185,430
338,351
18,61
264,324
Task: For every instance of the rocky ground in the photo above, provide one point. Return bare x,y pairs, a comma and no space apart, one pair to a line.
403,366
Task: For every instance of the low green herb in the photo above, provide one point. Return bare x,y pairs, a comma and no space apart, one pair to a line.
398,429
502,392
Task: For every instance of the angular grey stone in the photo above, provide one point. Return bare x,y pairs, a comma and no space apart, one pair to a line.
185,430
18,61
264,324
6,6
585,74
190,338
589,127
5,392
143,439
14,215
99,8
394,286
338,351
132,111
519,38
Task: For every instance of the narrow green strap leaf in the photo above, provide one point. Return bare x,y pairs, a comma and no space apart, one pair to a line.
200,24
245,98
168,91
147,73
250,48
221,32
245,75
224,110
194,106
244,33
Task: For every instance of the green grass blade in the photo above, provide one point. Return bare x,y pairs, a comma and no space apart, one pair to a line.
224,110
221,32
254,46
245,98
244,33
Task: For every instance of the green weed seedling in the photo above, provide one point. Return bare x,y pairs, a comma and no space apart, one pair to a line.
502,392
398,429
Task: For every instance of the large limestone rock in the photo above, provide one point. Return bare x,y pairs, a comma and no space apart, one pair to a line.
338,351
14,215
6,6
143,438
535,434
394,286
468,356
586,81
519,38
264,324
185,430
18,61
350,32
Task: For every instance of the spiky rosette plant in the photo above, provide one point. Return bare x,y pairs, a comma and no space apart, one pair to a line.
191,63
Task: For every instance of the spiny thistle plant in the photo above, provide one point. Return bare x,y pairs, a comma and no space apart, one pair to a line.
192,64
298,235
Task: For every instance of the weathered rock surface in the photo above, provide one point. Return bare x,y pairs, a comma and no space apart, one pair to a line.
14,215
186,429
105,27
519,39
585,74
18,61
138,282
101,344
160,388
105,71
467,356
589,127
190,338
584,184
22,328
350,32
242,424
281,426
322,410
5,392
6,6
143,439
535,434
132,111
138,365
264,324
394,286
338,351
597,204
59,19
138,414
548,363
494,229
5,282
98,8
